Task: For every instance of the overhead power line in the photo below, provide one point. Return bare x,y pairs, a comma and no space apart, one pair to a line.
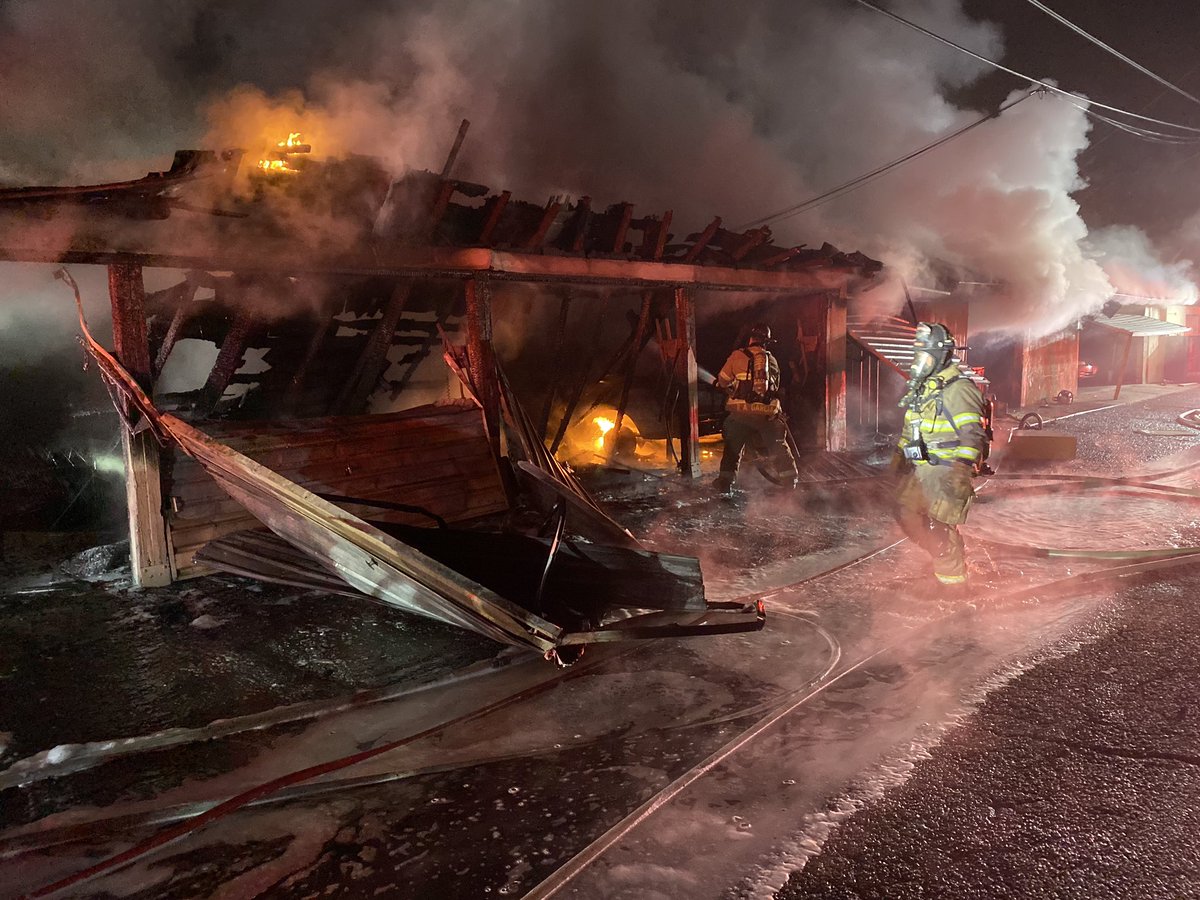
1003,68
862,180
1110,49
1145,134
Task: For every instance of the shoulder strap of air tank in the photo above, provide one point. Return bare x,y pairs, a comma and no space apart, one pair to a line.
941,409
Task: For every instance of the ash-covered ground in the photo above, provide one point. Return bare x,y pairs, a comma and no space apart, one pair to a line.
877,739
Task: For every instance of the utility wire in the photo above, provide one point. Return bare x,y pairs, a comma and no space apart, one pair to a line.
991,62
1145,134
1109,49
862,180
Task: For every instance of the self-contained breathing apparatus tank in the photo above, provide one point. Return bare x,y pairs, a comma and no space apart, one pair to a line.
758,387
933,348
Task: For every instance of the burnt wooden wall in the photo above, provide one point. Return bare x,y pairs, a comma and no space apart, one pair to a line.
1049,365
433,456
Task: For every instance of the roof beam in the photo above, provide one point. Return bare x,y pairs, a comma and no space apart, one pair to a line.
446,262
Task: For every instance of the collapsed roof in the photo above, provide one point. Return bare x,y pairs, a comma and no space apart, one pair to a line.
348,216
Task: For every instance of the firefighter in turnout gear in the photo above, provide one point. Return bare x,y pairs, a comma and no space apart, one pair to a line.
750,377
943,444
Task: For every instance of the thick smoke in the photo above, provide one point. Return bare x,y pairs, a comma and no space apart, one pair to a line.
1136,269
736,110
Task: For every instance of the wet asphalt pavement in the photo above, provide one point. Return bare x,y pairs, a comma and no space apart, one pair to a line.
899,764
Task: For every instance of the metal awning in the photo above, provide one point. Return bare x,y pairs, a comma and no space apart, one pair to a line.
1134,326
891,339
1139,326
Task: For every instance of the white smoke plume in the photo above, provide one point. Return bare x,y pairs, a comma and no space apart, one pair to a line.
1136,269
729,109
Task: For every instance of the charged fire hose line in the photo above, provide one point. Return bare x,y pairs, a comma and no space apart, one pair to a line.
1070,483
1023,550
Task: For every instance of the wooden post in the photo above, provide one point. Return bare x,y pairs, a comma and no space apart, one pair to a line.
1124,363
835,373
685,327
481,357
150,549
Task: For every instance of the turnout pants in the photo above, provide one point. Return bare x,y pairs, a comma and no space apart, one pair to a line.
933,501
766,437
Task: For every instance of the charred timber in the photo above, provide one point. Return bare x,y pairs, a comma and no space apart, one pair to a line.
456,264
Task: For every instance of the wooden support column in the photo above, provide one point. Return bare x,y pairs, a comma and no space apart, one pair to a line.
373,361
685,327
835,373
481,358
150,549
1124,363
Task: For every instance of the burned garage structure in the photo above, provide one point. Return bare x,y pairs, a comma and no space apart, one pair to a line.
393,361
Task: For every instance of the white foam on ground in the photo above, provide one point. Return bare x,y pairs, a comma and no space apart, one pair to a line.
816,828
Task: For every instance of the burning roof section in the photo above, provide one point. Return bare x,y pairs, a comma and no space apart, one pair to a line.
345,278
289,212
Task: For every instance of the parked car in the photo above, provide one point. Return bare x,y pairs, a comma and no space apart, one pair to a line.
1087,369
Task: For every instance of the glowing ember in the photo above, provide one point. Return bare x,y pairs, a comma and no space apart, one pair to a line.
279,160
276,165
605,425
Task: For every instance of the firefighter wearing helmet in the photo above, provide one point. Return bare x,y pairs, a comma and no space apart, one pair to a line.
754,417
943,443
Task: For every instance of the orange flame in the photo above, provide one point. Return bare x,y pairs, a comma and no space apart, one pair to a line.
278,161
605,425
277,166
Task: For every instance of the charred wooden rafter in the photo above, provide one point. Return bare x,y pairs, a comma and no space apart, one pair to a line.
535,240
373,360
493,210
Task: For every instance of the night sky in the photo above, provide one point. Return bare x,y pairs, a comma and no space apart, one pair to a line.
1130,181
